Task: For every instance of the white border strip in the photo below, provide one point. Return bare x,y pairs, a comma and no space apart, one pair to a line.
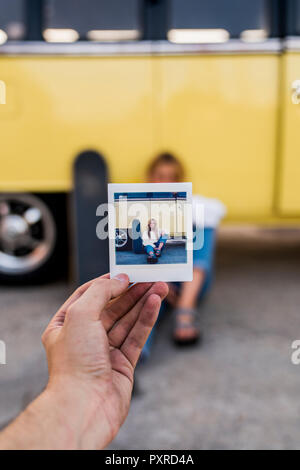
156,272
82,48
292,44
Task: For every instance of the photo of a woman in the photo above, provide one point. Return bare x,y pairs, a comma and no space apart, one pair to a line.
154,240
151,228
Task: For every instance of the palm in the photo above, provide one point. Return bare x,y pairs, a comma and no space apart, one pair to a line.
127,322
104,340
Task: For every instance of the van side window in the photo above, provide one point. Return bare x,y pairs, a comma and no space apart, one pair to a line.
218,20
95,20
12,20
293,18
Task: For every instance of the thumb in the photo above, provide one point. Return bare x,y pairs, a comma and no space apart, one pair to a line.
90,305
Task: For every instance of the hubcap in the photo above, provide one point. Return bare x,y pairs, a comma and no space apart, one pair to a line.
12,229
27,233
121,238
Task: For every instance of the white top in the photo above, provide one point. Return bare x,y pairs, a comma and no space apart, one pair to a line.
208,211
153,237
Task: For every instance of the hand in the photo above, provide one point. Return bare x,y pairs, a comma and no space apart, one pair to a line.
93,344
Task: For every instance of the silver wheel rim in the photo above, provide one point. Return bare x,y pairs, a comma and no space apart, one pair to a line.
27,233
121,238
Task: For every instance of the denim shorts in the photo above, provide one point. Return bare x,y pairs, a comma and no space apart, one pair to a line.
204,259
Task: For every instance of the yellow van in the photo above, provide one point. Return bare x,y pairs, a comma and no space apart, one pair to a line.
216,82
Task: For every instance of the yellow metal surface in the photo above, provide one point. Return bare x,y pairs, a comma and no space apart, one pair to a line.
219,113
170,215
289,178
57,107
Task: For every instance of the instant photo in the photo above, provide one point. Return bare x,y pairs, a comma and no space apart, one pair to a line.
150,231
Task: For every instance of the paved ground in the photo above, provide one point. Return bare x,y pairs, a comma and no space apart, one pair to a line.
171,254
238,390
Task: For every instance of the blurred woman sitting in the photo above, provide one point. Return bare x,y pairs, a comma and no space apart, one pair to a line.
184,297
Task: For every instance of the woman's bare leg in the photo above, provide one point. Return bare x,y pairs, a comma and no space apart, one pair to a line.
190,290
172,297
159,247
185,329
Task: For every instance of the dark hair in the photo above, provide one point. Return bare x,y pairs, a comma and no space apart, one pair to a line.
166,158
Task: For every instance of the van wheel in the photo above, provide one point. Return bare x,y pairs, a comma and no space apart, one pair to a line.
28,237
121,238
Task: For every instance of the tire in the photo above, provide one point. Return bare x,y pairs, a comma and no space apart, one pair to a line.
123,240
33,237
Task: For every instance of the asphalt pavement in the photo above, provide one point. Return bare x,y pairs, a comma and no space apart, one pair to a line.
237,390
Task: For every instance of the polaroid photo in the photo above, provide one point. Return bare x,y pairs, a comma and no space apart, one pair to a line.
151,231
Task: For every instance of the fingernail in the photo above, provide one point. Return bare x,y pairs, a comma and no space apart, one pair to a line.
121,278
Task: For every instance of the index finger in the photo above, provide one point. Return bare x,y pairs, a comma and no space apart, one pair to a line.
118,307
92,302
59,317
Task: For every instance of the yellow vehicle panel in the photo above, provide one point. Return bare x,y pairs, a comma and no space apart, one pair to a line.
219,113
58,106
289,190
170,215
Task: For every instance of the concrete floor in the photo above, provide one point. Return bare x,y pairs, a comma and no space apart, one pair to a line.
239,390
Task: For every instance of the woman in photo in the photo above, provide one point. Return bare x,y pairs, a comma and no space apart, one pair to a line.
154,241
185,297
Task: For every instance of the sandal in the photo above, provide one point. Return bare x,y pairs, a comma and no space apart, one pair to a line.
152,259
185,325
158,252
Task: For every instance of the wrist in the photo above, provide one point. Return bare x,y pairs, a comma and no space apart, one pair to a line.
67,415
79,414
44,425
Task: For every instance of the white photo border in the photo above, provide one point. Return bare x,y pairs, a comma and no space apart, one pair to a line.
154,272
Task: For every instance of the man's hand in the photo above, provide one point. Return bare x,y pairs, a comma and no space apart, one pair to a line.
93,344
